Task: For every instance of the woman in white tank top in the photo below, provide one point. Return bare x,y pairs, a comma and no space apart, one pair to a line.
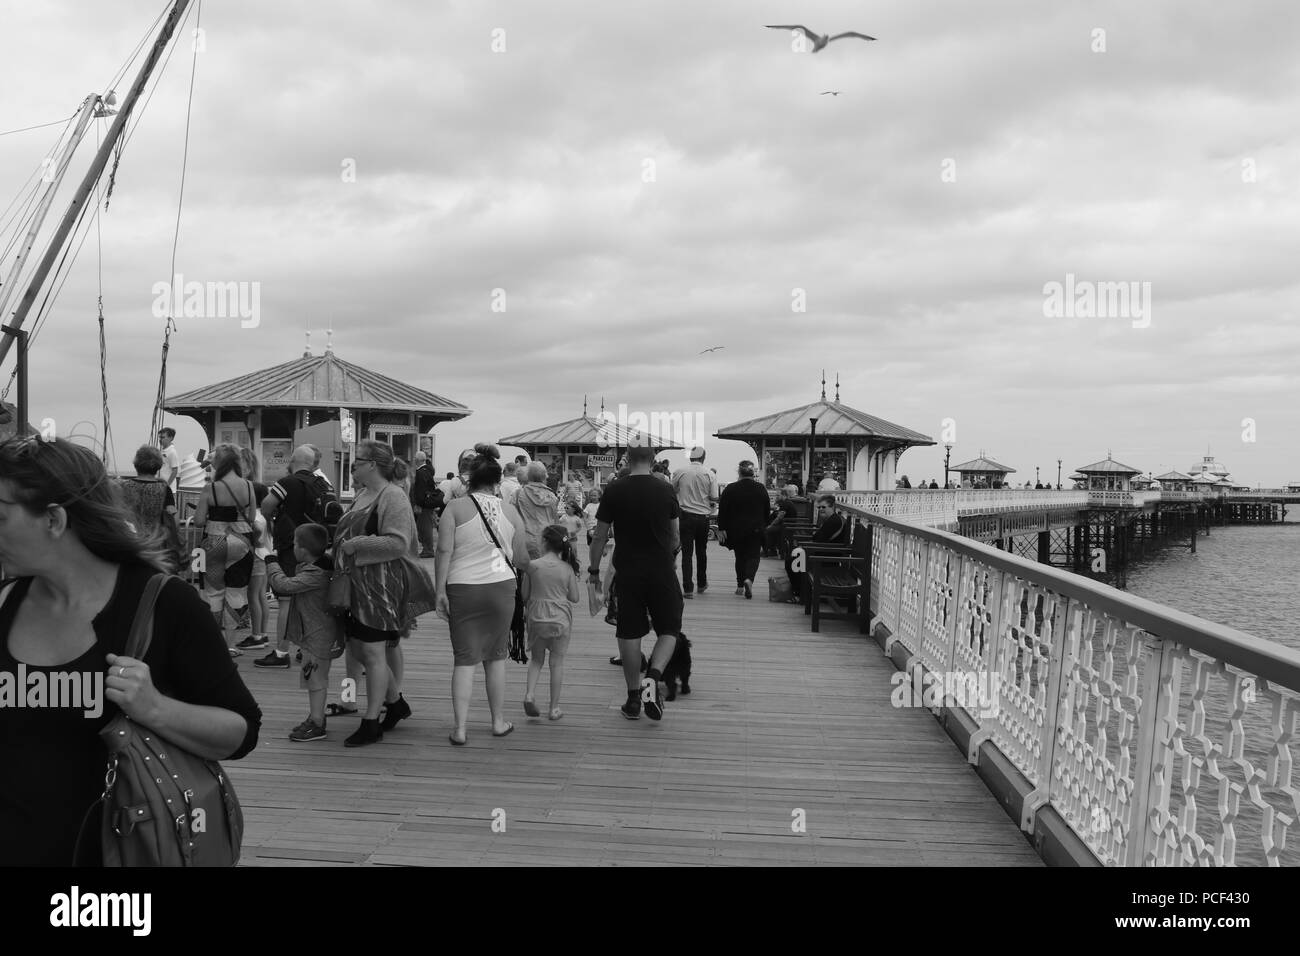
476,584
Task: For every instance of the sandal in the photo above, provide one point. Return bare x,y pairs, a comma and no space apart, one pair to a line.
456,743
556,713
338,710
530,708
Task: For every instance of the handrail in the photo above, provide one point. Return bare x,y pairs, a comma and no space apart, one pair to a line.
1159,737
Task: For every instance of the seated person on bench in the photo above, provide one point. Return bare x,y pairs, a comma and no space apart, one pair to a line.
832,528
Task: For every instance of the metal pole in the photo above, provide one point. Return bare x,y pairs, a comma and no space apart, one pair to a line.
92,175
20,410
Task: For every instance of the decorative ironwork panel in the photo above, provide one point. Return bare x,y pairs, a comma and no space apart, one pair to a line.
941,579
909,610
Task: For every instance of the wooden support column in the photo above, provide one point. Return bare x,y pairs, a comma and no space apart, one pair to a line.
1045,547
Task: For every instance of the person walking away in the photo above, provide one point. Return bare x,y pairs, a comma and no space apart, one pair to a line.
225,516
697,496
426,501
550,589
151,502
311,627
538,507
644,514
509,482
481,551
742,515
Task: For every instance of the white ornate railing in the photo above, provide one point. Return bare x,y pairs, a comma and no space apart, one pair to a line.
1273,494
1161,739
942,507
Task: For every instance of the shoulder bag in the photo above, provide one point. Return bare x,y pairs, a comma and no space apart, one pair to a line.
161,805
338,599
518,644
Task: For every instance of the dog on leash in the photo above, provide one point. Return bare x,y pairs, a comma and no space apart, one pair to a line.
679,669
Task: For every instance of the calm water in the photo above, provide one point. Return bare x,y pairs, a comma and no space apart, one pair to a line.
1245,576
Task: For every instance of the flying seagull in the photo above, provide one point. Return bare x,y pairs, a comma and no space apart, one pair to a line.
818,39
831,92
714,349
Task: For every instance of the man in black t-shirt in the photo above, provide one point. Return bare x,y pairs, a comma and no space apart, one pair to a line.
643,511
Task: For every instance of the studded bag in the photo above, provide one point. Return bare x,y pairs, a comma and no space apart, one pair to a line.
161,805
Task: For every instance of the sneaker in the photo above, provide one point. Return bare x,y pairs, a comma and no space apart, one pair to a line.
235,652
254,642
272,660
653,700
307,731
631,709
748,588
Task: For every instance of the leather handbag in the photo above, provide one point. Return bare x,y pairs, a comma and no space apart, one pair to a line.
161,805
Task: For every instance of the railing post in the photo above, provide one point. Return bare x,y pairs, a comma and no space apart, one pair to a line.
867,567
1158,696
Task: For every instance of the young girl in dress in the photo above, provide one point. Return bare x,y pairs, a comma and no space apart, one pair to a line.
574,523
550,589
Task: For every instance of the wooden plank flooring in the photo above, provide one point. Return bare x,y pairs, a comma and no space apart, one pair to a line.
780,719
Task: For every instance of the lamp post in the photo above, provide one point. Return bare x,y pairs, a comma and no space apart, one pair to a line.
812,450
947,455
1058,474
1037,480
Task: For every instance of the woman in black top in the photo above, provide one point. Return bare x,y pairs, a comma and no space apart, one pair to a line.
81,570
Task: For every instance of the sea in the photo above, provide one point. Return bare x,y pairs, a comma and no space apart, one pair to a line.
1244,576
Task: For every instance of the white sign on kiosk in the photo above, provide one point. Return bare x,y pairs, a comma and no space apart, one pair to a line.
347,427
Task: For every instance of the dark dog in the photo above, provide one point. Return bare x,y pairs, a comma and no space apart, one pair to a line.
679,669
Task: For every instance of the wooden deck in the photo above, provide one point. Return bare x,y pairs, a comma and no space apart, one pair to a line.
779,719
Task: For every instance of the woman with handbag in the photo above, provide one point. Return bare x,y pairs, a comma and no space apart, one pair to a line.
373,545
481,552
226,516
82,573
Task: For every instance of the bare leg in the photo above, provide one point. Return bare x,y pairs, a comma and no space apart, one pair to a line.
557,682
462,688
396,670
372,655
494,674
535,671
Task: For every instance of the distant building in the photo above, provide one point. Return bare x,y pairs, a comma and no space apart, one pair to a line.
1175,481
1109,475
982,472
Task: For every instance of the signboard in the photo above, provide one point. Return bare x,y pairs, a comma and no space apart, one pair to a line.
347,427
600,461
275,459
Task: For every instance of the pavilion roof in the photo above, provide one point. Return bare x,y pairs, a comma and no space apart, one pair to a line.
834,419
981,465
588,430
1108,467
318,381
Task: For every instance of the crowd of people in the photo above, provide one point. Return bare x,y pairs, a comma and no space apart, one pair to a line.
78,548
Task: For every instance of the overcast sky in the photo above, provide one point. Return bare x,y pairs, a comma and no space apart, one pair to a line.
649,180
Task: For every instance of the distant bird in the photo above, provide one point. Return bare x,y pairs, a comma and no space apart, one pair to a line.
831,92
714,349
818,39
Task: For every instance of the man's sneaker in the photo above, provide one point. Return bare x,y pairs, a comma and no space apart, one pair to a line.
254,642
651,698
748,588
272,660
631,708
308,730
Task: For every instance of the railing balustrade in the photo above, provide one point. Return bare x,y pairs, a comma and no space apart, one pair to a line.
1160,738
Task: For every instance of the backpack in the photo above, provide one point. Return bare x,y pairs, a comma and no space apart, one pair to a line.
319,497
161,805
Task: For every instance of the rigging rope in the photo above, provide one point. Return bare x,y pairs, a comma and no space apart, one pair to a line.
157,419
103,341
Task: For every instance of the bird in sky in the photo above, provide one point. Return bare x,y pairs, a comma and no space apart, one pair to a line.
831,92
714,349
819,40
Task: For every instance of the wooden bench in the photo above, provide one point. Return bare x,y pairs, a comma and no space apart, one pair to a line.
842,576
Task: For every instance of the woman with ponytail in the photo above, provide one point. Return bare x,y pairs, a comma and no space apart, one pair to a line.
551,590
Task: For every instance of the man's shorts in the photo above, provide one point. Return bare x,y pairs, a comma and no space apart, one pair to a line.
646,598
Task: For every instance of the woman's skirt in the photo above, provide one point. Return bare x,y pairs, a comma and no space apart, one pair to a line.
480,617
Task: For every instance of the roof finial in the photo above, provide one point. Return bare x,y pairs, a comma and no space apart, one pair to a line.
823,385
837,386
1108,454
329,334
584,406
602,406
306,352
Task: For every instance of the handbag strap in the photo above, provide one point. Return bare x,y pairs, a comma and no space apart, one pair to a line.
137,644
492,531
